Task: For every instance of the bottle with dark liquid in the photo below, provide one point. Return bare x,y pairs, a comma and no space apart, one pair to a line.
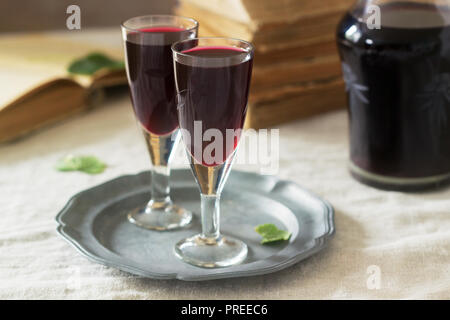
397,77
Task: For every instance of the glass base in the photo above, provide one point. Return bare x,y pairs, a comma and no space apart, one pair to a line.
211,253
160,218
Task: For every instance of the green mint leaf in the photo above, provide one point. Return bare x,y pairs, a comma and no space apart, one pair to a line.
271,233
92,165
69,163
87,164
94,62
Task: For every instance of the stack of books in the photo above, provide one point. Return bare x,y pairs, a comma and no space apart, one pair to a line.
296,72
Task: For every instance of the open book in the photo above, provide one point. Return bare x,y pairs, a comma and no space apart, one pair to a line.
36,87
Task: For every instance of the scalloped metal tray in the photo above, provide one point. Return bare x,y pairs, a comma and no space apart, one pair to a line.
94,221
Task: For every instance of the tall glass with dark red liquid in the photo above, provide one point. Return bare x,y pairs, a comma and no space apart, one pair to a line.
213,80
149,61
398,84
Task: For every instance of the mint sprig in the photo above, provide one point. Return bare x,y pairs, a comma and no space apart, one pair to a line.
87,164
271,233
94,62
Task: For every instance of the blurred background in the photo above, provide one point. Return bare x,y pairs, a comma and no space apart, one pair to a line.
296,74
29,15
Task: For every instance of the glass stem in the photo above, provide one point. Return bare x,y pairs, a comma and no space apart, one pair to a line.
210,216
160,186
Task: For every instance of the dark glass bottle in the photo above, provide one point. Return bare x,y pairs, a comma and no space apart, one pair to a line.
396,65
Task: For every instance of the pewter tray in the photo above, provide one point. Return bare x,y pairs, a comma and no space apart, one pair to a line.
94,221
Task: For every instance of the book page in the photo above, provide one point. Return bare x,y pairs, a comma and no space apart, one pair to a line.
16,80
232,9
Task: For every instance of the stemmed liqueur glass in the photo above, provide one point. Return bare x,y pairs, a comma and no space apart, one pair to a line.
149,62
213,78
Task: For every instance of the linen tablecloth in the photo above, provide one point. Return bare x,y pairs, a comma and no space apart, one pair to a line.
387,244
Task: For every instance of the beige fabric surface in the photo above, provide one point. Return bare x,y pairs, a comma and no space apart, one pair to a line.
407,236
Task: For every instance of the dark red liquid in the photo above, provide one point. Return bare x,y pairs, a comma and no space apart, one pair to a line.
215,95
398,83
152,84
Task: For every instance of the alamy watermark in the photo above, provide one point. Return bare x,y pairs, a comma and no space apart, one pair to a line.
373,17
374,280
73,22
213,146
